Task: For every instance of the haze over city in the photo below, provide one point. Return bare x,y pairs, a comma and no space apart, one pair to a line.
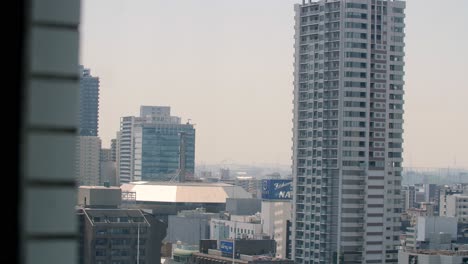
227,66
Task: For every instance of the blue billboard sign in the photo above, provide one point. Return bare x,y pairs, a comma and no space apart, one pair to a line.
277,189
226,246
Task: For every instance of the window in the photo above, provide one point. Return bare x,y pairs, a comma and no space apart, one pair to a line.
356,5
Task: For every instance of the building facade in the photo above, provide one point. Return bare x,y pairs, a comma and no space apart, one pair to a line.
119,236
275,216
88,160
457,206
224,229
89,103
347,131
444,193
157,148
114,149
108,170
189,226
148,146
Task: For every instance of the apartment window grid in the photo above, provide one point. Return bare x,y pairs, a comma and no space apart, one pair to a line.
331,79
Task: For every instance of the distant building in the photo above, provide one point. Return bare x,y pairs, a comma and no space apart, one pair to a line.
409,193
457,206
119,236
89,103
189,226
114,149
250,184
243,206
430,191
435,232
88,154
106,154
245,227
224,174
426,209
108,173
444,193
148,146
206,174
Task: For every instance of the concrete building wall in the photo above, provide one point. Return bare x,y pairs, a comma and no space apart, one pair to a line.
243,206
187,230
430,225
90,196
232,229
274,218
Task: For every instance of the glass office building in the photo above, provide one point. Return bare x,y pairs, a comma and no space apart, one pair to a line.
157,148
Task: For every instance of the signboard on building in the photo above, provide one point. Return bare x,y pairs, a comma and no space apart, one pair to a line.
226,246
277,189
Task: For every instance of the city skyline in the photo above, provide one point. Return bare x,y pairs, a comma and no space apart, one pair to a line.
233,77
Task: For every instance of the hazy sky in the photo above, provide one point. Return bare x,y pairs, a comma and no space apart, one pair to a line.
228,66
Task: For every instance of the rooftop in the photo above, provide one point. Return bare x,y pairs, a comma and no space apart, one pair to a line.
184,192
115,216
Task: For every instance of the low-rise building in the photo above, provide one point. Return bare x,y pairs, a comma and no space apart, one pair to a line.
189,226
119,236
237,227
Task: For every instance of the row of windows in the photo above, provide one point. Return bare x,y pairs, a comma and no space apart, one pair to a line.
356,45
356,5
356,15
356,35
356,25
349,84
355,74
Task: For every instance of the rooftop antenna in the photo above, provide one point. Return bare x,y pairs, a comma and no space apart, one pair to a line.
182,160
181,172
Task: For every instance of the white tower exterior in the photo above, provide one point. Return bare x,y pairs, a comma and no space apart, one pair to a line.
347,143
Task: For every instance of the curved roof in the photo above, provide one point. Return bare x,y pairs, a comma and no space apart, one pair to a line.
184,192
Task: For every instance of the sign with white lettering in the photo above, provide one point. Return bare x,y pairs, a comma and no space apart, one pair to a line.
226,246
277,189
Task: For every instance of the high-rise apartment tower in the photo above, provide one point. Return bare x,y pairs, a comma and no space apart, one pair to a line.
347,143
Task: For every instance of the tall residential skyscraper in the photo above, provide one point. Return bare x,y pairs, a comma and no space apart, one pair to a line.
347,143
148,146
89,103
